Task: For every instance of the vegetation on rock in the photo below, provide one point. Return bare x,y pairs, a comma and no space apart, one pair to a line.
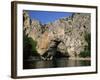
72,33
87,49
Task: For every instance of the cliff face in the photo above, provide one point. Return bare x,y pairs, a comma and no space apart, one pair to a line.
65,35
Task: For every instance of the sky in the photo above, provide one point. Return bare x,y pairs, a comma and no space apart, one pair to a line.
47,16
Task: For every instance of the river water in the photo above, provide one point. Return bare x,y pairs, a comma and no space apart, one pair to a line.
63,62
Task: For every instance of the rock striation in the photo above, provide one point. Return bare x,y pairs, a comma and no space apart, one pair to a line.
65,35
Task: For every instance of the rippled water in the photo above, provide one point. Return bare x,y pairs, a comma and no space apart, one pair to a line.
63,62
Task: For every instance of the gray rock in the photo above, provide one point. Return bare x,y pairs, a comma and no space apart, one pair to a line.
70,31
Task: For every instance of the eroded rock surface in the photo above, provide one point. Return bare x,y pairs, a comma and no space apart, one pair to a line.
69,32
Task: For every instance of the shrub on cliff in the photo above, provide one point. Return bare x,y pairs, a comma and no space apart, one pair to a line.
29,47
87,49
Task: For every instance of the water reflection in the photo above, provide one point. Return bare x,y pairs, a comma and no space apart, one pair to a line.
63,62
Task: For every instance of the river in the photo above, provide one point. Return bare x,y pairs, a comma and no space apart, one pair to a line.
62,62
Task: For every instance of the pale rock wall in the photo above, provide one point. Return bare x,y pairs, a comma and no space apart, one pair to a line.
70,31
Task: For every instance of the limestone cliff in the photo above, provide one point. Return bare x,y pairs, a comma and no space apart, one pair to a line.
65,35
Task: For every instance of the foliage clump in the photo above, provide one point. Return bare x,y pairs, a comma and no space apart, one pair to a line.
87,49
29,47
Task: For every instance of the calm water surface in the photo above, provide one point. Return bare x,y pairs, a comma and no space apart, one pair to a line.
63,62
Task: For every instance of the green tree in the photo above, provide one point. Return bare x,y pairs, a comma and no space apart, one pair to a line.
87,49
29,46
